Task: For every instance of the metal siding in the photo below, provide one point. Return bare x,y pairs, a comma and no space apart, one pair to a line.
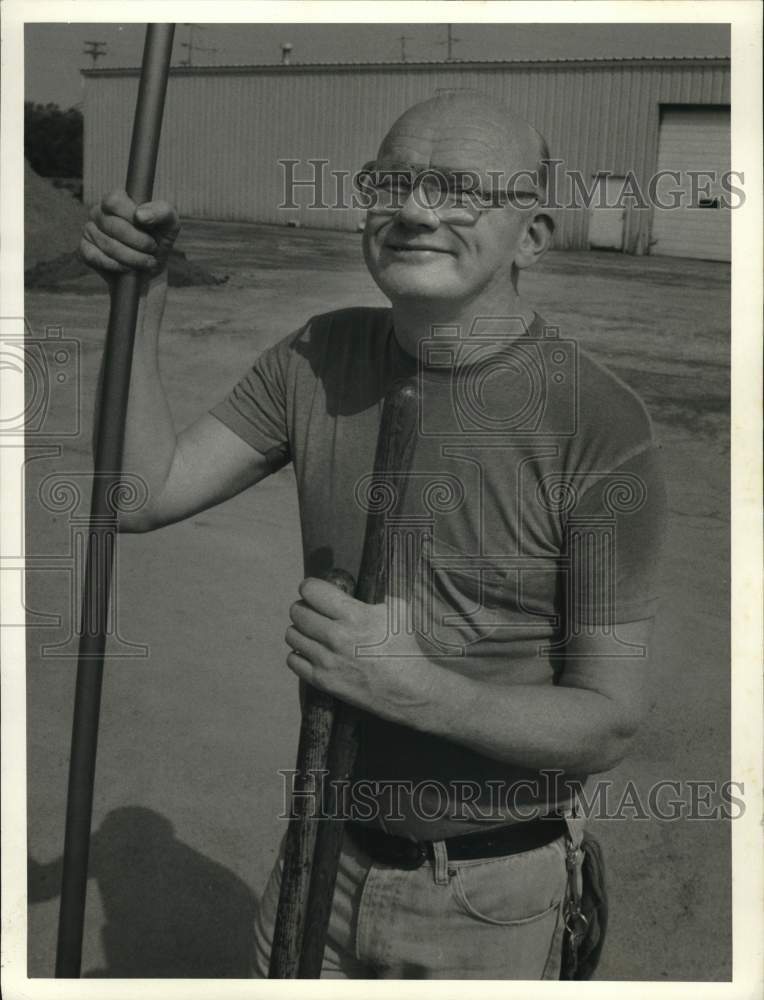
225,132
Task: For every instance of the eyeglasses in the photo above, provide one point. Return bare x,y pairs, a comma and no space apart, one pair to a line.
454,195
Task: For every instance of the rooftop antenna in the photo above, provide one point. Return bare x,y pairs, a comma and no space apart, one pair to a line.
191,45
95,51
449,42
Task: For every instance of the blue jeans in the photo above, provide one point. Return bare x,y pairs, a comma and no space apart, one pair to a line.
492,918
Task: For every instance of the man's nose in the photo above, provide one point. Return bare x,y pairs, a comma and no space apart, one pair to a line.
416,212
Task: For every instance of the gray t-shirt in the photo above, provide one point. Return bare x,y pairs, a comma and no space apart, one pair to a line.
534,506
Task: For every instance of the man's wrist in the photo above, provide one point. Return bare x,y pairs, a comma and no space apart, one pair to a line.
151,305
429,698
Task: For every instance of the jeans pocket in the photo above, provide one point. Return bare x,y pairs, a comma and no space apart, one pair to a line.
512,891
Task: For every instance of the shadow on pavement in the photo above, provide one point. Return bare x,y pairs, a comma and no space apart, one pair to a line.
170,911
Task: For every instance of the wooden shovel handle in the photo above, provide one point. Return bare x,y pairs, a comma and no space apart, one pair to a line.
395,449
318,715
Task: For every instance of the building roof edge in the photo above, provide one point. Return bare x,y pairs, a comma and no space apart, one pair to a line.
582,63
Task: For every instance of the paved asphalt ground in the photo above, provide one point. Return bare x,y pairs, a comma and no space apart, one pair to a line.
192,736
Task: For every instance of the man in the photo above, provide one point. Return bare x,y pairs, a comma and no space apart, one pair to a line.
535,507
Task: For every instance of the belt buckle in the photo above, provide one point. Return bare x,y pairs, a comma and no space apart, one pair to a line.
412,856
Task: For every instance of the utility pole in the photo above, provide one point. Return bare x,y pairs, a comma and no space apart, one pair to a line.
191,45
95,50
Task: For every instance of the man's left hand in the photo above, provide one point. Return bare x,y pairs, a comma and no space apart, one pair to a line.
346,648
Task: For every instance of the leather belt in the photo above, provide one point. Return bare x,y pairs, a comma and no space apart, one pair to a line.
401,852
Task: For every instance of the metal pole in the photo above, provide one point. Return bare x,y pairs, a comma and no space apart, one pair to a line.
118,354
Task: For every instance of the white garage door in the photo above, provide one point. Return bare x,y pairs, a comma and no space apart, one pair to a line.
693,139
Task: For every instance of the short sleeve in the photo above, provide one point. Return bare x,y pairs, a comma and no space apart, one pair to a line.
613,540
256,407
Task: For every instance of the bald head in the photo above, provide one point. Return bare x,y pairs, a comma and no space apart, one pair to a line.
466,130
446,220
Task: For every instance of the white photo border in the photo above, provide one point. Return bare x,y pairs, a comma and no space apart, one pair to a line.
746,484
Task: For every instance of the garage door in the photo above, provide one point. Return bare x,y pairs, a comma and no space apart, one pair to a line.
693,139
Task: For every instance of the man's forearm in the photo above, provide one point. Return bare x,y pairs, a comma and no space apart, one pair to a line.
529,726
150,436
582,725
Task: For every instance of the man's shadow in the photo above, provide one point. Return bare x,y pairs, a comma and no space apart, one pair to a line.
170,911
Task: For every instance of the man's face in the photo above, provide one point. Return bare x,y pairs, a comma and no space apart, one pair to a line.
414,255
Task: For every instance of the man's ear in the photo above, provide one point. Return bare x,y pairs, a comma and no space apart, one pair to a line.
535,241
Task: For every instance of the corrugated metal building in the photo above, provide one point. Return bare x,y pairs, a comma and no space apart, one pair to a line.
227,127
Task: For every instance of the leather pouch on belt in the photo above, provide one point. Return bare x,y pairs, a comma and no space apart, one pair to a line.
586,909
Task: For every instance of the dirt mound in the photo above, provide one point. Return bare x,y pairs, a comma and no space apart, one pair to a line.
53,222
67,267
50,273
181,271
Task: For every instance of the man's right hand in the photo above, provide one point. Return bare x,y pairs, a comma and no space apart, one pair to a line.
207,462
121,236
